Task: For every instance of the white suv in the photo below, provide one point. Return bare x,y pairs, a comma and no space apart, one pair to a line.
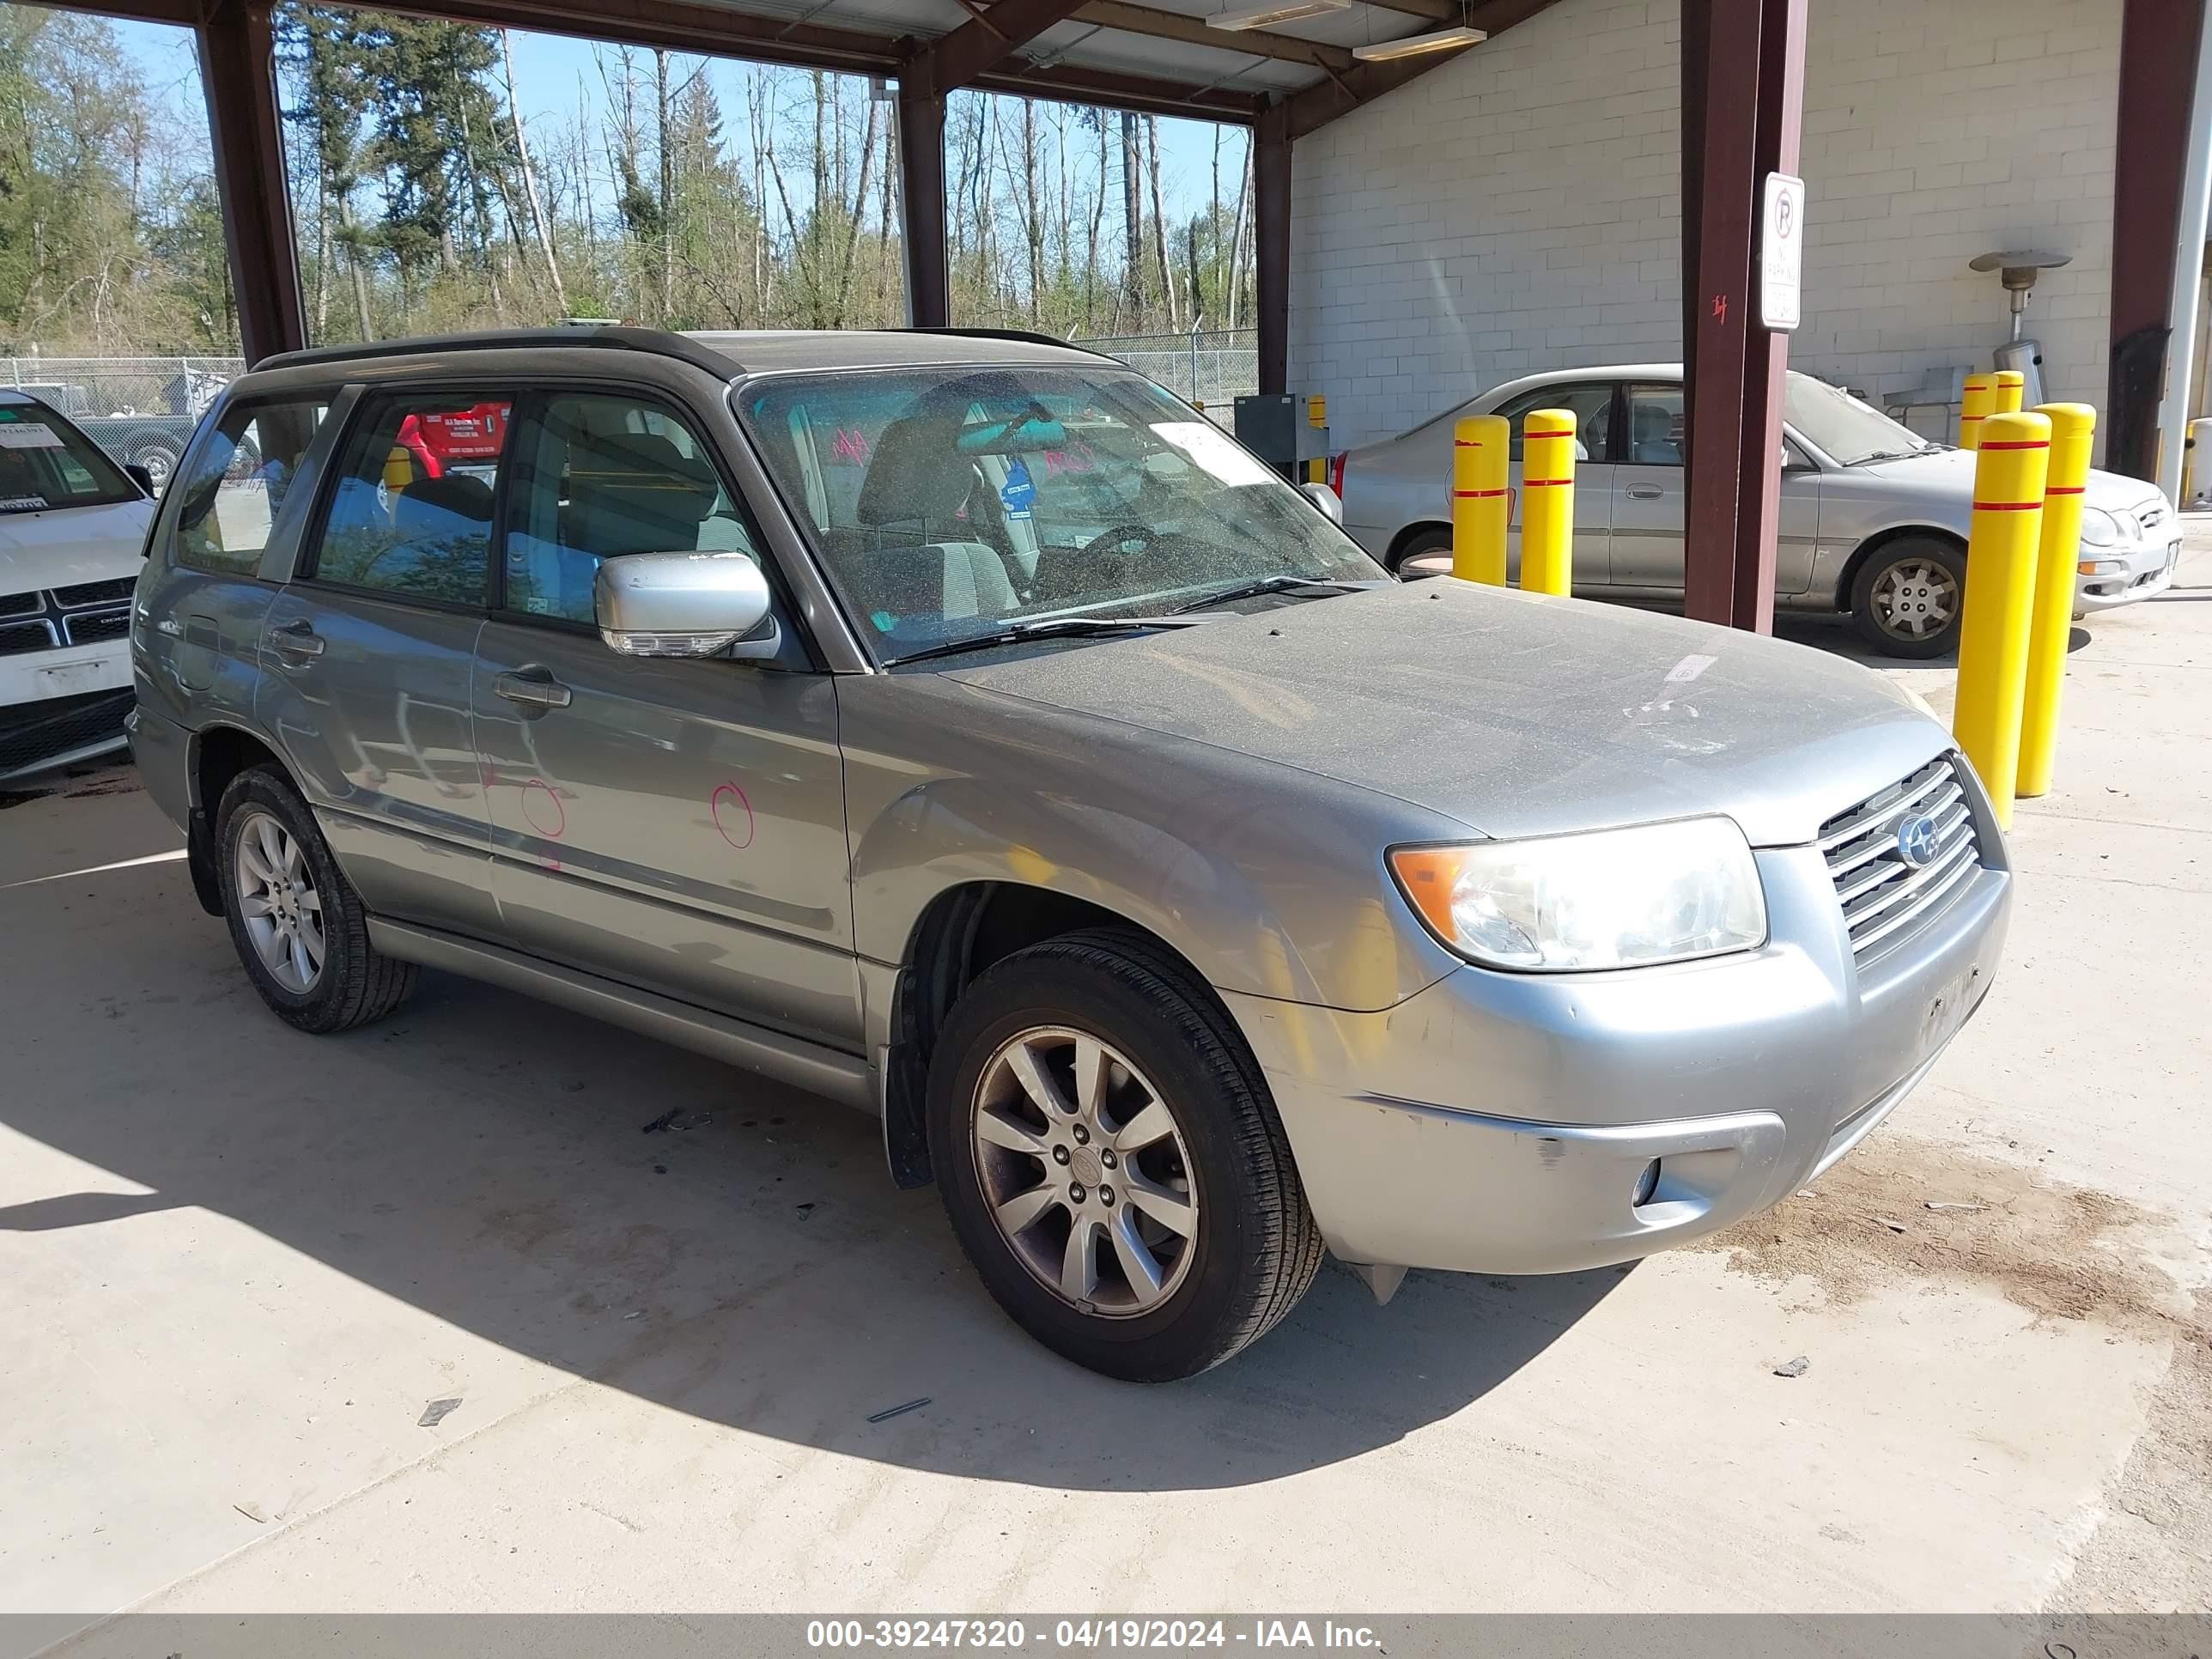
72,539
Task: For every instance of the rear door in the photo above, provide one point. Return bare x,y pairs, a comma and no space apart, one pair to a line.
676,824
368,651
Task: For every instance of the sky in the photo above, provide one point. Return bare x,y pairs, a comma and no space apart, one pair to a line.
549,69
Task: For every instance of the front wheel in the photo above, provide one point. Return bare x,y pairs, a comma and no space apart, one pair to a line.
1111,1160
1909,596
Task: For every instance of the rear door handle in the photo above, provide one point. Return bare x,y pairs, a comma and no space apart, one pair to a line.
533,688
1645,492
296,639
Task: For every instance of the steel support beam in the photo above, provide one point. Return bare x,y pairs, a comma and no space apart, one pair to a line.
237,71
1743,80
1271,220
921,203
2158,41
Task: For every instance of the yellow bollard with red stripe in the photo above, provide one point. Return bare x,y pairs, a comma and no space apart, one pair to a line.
2009,386
1547,501
2072,434
1481,498
1317,416
1976,404
2010,473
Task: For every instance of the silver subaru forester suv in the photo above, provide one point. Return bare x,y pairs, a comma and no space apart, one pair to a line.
959,727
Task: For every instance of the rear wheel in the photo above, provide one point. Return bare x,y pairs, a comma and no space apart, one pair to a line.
1111,1160
1909,596
298,925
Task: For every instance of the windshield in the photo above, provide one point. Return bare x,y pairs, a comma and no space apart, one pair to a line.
45,462
948,504
1850,432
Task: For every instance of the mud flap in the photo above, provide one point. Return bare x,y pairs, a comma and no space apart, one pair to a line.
199,859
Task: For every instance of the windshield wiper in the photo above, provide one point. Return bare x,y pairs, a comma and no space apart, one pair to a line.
1890,455
1045,628
1253,590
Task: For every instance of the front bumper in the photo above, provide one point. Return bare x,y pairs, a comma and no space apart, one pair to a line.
1502,1123
60,707
2140,572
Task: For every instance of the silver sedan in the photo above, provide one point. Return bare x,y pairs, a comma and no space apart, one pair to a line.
1874,517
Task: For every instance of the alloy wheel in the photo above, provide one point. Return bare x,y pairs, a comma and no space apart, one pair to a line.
277,896
1085,1171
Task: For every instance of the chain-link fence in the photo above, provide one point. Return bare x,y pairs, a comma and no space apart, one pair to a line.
1213,368
100,387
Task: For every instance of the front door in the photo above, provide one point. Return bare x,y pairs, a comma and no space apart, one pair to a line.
370,648
676,824
1650,503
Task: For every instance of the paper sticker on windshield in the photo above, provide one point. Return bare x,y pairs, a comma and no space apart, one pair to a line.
23,504
28,434
1018,492
1216,457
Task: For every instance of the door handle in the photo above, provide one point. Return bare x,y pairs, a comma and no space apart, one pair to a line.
297,639
1645,492
533,689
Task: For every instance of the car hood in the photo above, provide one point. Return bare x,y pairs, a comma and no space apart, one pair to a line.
1951,471
66,545
1517,714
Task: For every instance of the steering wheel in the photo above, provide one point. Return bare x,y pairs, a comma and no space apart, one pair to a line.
1117,541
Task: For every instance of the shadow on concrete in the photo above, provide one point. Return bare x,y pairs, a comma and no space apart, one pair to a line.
485,1158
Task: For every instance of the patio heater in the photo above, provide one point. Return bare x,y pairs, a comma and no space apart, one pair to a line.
2018,270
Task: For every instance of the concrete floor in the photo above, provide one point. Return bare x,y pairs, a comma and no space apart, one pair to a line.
237,1263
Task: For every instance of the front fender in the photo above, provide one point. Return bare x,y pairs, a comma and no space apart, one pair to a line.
1268,880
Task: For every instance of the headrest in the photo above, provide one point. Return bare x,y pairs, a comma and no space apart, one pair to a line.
430,506
913,473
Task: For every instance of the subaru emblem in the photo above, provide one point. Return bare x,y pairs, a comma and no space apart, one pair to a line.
1916,841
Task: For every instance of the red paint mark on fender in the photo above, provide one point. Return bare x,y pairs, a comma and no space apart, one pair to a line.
733,814
542,810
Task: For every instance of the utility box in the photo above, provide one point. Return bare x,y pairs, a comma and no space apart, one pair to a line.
1274,427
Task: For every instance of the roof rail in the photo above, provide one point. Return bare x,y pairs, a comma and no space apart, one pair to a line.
660,342
1027,335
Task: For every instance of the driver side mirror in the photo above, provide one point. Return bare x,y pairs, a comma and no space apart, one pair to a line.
137,473
1324,498
685,604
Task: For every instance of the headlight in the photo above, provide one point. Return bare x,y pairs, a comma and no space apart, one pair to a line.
2099,528
1616,898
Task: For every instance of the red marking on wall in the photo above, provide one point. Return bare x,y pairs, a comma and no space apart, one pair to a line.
733,814
542,809
1720,307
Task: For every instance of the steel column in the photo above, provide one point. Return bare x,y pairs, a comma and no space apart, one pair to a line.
1271,220
2158,41
1743,75
921,197
237,71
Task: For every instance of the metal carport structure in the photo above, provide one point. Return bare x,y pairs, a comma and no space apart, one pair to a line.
1742,66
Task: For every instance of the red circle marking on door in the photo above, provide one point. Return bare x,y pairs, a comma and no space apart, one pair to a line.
731,810
537,797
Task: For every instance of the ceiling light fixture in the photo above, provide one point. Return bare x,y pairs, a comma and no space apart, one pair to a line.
1282,11
1382,51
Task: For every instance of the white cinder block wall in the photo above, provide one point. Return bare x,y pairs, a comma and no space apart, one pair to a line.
1519,209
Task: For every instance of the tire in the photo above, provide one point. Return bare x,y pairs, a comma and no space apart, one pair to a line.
1251,1248
1893,590
1421,545
352,983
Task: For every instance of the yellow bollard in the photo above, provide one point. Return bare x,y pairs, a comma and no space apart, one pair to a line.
1975,406
398,468
2011,385
1547,501
2009,478
1481,446
2073,433
1317,416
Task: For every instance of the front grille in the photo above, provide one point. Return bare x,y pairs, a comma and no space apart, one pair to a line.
108,592
1884,897
90,628
33,732
18,604
16,638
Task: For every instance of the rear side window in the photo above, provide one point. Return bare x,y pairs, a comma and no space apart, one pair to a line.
235,483
411,505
